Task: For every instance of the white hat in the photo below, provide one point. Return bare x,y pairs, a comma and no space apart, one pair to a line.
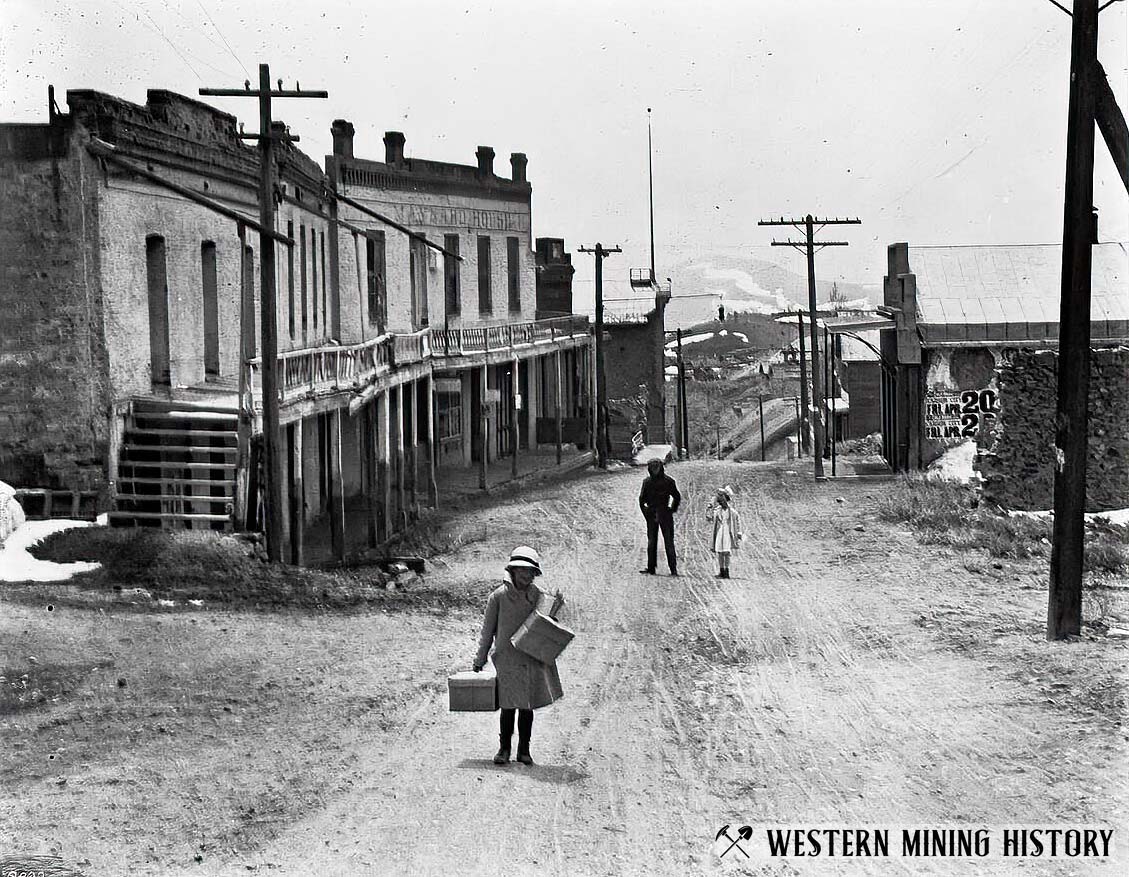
527,557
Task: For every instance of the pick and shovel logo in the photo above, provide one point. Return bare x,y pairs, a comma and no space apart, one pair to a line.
726,844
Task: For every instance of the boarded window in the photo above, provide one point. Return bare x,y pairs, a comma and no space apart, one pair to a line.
374,272
485,298
290,279
451,292
156,275
209,282
513,274
314,274
418,270
302,273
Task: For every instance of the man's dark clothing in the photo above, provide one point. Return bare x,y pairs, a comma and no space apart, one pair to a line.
659,500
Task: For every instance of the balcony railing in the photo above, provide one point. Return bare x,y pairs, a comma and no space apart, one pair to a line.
332,368
485,339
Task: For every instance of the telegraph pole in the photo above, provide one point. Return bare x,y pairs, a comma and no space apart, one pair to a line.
272,451
810,246
805,409
760,404
601,253
651,192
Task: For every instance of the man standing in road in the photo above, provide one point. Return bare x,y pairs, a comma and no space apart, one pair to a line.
659,500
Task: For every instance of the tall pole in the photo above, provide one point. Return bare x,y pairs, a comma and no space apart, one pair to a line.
651,192
272,441
805,411
600,252
760,404
809,246
1064,608
680,426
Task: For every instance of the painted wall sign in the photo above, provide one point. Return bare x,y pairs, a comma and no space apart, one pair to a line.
957,415
461,217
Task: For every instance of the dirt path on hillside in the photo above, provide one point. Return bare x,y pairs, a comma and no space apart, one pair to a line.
845,676
806,690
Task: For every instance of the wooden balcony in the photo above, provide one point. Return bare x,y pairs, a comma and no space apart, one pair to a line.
321,371
507,336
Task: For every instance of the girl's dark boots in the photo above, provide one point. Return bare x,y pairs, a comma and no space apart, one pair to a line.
505,734
524,733
503,754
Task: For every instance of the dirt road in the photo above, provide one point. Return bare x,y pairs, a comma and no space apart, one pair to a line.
845,676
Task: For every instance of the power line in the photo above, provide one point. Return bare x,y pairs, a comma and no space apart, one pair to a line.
222,37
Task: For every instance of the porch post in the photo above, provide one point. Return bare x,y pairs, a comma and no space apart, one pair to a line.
413,393
557,397
515,433
370,448
336,492
297,497
401,495
484,428
384,454
432,484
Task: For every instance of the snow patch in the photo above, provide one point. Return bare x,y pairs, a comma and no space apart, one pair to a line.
17,564
956,463
742,336
690,339
1120,517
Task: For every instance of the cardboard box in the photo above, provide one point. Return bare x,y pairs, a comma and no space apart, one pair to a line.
541,637
471,692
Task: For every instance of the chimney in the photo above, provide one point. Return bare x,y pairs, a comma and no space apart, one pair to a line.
518,163
342,132
485,161
393,147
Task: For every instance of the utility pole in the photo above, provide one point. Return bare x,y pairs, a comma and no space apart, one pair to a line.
601,253
805,410
811,246
685,404
679,395
272,440
651,192
760,404
1064,608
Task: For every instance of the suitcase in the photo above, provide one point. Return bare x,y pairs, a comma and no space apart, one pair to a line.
541,637
471,692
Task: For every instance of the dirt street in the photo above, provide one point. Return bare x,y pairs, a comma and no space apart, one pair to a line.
846,675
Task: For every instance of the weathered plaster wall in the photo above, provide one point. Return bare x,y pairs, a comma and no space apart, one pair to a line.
54,399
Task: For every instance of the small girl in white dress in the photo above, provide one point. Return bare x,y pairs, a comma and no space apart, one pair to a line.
727,533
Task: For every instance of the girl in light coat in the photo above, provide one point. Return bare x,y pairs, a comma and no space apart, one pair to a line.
727,534
524,683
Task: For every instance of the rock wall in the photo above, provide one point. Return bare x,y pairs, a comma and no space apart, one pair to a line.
1018,462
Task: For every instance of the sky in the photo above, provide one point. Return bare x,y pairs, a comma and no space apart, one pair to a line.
933,121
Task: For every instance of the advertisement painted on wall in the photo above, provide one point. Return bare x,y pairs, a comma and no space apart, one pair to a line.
958,415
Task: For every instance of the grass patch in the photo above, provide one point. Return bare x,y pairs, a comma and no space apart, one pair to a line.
41,684
948,513
223,569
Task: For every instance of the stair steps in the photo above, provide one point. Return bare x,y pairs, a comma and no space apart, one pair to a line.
176,467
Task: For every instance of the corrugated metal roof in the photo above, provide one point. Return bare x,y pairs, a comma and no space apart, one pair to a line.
1012,292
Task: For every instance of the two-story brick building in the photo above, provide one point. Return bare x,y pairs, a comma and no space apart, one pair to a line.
131,366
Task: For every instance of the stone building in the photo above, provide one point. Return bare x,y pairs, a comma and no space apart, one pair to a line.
635,359
972,338
130,365
554,278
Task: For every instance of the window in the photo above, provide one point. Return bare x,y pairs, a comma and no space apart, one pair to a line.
156,276
374,262
302,272
418,270
449,423
314,275
324,294
485,303
290,276
211,309
451,275
513,273
250,335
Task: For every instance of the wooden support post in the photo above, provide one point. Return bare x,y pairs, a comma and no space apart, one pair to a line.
384,453
515,433
484,428
411,390
336,485
370,448
297,498
560,429
432,451
401,493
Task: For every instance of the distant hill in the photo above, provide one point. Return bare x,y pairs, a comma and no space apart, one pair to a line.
746,284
